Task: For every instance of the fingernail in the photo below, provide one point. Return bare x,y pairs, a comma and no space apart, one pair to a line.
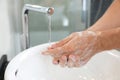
55,62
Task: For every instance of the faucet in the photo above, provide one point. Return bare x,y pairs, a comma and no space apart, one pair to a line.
25,12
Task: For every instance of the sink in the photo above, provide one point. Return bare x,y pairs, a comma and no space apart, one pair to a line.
32,65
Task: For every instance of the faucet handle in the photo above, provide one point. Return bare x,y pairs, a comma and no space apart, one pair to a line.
50,10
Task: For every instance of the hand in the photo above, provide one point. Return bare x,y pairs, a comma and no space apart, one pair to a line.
75,50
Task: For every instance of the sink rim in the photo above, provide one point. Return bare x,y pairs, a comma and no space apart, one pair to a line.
17,60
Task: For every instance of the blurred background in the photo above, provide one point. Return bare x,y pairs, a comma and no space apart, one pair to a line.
69,16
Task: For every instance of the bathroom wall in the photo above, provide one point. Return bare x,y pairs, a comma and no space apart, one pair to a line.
9,22
64,21
6,35
67,18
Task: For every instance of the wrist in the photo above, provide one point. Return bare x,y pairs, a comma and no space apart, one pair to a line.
100,43
98,40
104,40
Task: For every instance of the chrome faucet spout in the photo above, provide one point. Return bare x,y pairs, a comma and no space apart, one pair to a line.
26,9
36,8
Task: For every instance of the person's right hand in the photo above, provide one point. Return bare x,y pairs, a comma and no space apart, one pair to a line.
75,50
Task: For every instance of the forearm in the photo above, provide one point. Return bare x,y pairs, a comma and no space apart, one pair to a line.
110,39
111,18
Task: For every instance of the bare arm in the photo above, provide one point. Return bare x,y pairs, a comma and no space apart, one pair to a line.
110,39
111,18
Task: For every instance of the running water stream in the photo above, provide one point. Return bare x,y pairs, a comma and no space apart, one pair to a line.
49,27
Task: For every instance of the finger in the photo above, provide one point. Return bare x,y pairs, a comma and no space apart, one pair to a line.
84,60
63,61
79,62
71,46
75,61
87,54
54,52
61,43
78,54
71,60
76,64
87,57
68,48
56,60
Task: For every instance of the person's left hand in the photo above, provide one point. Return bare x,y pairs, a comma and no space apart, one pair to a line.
75,50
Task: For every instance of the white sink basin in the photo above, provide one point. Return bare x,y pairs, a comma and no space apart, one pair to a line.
32,65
